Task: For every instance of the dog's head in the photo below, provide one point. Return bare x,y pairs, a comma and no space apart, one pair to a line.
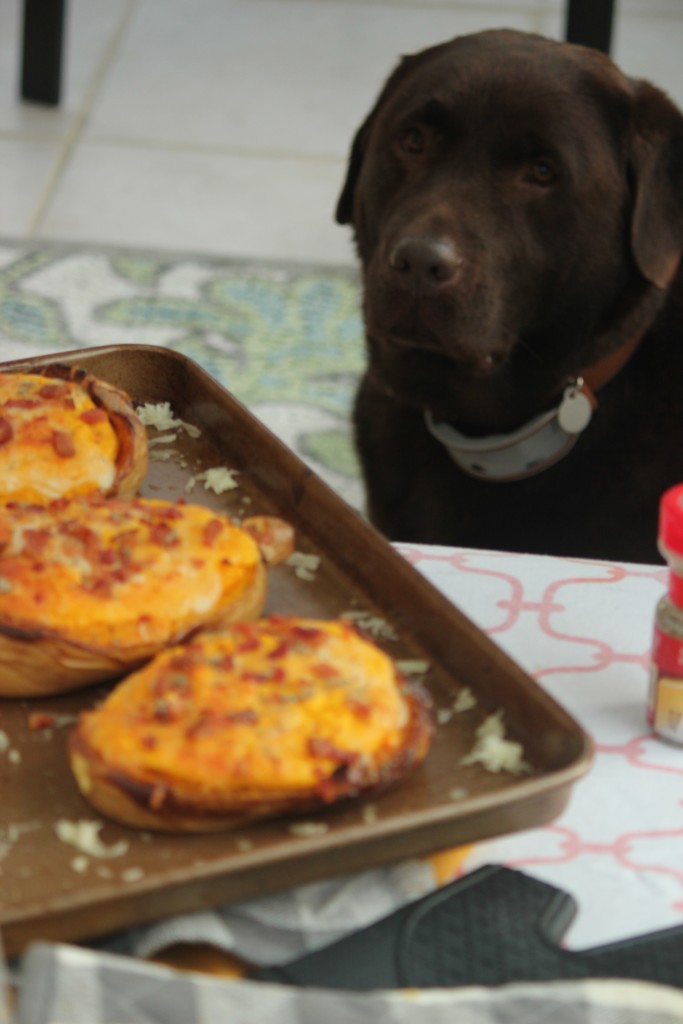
517,205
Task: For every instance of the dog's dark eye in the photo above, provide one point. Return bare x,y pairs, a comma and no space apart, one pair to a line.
413,141
541,172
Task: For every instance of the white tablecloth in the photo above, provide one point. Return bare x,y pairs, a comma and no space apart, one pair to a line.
583,630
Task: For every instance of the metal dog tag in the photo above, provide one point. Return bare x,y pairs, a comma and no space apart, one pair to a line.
575,411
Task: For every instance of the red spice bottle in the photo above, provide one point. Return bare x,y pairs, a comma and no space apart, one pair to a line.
665,702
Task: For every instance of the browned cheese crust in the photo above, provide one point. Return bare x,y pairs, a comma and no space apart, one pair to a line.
280,716
93,587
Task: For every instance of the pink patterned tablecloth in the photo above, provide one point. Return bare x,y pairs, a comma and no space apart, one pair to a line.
583,630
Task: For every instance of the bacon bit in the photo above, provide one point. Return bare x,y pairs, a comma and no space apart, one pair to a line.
307,633
162,534
179,683
181,663
99,587
87,538
246,716
6,430
35,542
54,391
160,688
123,573
322,671
208,723
22,403
320,747
328,789
78,531
63,444
169,683
93,416
202,725
148,742
170,513
126,535
250,643
359,708
280,650
270,676
211,532
41,720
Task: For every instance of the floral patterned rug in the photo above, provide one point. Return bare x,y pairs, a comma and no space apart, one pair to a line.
286,340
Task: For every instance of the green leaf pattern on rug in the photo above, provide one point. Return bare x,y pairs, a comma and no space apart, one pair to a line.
138,269
25,316
285,340
266,339
272,338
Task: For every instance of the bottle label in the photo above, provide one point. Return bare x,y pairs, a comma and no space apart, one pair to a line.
665,701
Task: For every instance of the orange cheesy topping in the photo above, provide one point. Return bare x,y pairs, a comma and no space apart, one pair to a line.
274,706
54,439
114,572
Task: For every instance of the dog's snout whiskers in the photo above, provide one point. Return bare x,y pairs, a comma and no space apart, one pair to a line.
424,263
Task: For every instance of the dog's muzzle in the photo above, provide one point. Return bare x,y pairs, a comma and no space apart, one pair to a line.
524,452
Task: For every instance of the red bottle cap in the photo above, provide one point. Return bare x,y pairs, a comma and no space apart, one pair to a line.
671,520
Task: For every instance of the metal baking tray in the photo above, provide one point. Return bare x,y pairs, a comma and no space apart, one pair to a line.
50,889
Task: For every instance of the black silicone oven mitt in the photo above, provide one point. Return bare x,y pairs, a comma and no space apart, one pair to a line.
493,926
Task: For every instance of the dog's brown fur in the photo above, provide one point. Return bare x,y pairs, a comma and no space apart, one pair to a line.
517,205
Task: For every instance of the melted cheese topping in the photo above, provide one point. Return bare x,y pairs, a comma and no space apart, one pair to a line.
54,439
115,573
272,706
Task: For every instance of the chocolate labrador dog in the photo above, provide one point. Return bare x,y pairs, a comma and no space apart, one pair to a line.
517,205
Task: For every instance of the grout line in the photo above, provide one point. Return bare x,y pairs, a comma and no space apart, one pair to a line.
75,129
447,6
216,149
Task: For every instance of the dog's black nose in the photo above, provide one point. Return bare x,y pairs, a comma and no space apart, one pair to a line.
424,263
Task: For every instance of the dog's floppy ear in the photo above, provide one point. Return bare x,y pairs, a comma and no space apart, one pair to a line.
657,166
344,214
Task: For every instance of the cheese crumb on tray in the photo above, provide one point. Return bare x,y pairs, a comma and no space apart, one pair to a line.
160,416
493,751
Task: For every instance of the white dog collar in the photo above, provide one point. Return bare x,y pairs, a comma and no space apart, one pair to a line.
524,452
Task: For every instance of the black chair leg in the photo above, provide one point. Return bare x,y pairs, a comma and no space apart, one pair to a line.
42,48
589,22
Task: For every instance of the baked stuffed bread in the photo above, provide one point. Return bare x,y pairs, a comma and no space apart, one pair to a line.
279,716
92,587
64,432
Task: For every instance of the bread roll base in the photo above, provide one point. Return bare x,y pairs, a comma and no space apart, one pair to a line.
41,663
154,801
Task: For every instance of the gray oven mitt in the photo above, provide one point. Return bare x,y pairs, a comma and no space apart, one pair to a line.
491,927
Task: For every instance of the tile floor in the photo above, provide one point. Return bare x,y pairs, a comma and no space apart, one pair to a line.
222,126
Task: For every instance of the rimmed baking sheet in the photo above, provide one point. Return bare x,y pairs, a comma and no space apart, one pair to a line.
55,884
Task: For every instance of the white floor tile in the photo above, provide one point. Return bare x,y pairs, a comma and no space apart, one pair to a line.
651,48
25,169
90,29
644,45
223,126
292,76
182,200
